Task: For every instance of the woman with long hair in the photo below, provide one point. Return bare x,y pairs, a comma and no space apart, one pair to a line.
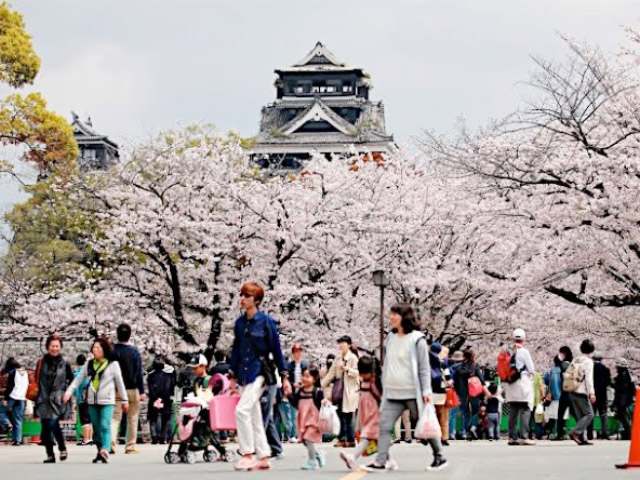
105,378
54,375
406,380
565,355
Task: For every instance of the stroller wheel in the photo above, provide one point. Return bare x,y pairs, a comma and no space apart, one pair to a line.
210,456
230,456
171,458
189,457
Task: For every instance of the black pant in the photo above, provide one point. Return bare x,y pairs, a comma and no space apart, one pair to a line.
50,434
600,408
347,429
565,402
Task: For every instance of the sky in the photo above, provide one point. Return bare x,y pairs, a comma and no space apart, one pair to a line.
141,66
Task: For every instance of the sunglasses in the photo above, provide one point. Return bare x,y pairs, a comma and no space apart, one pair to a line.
246,295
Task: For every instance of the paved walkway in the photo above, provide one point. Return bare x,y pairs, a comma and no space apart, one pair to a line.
477,461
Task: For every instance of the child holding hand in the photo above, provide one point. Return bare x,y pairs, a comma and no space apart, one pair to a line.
369,410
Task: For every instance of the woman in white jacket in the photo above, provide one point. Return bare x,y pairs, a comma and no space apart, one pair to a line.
105,378
406,382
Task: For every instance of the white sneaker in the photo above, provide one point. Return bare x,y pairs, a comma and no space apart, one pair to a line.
391,465
349,460
293,440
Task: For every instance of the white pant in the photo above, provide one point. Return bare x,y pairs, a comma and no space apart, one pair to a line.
251,435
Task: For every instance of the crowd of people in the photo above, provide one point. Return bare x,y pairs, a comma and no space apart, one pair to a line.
280,401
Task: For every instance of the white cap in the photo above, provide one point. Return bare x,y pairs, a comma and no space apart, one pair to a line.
198,360
518,334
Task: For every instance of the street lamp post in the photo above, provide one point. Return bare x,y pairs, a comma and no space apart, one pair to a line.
381,281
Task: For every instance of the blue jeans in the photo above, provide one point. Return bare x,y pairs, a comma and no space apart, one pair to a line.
4,417
267,402
288,413
453,422
101,416
494,426
16,409
470,408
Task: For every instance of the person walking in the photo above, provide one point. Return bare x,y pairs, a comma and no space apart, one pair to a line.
519,393
624,395
54,375
566,357
440,378
256,356
128,356
553,381
105,379
161,383
469,405
406,381
82,406
583,398
454,413
601,384
307,399
295,369
368,409
15,400
345,372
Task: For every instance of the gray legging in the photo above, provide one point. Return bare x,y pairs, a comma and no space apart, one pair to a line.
389,414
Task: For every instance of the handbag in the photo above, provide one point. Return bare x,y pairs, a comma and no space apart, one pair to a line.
452,400
34,384
475,387
267,366
337,391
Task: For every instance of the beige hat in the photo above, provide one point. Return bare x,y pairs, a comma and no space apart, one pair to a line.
457,356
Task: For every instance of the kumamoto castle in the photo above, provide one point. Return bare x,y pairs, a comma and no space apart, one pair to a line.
322,105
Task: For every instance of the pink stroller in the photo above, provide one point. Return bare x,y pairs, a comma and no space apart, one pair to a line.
197,426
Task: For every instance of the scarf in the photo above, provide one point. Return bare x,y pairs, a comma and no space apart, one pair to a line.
98,368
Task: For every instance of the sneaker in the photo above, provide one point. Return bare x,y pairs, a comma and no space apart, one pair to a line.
576,438
439,463
293,440
245,464
322,459
262,464
131,451
349,460
391,465
445,443
374,468
528,443
311,464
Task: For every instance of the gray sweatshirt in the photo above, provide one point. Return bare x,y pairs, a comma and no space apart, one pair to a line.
110,381
421,370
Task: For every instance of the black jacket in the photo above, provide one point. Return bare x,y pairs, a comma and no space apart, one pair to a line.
161,385
55,377
601,380
625,390
130,362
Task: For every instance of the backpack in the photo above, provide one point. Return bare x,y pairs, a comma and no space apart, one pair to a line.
507,371
572,378
436,370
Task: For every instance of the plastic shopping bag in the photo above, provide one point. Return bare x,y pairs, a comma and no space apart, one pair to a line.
428,426
325,422
329,422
